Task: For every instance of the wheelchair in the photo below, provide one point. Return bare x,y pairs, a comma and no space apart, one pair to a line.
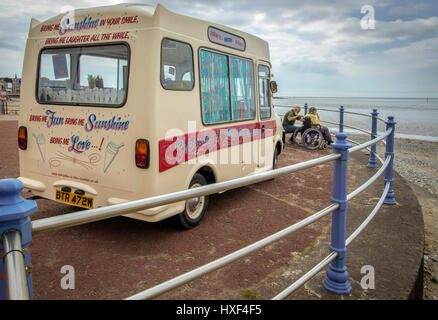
311,136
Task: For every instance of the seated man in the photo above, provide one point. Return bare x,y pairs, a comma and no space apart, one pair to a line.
314,118
289,121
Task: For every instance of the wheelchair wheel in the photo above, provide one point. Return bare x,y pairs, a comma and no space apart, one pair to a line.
312,138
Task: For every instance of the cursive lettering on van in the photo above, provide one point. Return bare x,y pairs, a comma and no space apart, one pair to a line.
87,23
113,124
78,145
52,120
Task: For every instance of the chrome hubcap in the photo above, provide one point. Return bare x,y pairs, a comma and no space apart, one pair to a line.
194,205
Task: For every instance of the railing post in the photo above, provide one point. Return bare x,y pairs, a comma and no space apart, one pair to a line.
14,216
305,108
337,275
372,162
390,199
341,119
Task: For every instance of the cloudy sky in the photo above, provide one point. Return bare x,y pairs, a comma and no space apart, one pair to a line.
318,47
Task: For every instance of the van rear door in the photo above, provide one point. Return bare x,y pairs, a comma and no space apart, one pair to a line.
76,131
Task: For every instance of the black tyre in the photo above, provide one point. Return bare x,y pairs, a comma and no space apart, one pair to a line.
275,159
195,208
312,138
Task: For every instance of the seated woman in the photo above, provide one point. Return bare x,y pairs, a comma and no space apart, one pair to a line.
315,122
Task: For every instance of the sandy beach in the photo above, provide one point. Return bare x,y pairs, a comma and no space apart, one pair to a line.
417,162
414,160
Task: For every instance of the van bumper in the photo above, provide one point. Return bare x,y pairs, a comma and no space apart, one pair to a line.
150,215
31,184
153,214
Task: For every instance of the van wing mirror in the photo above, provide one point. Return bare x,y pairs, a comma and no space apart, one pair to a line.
273,86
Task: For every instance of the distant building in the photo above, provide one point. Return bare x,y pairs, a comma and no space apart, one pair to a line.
12,85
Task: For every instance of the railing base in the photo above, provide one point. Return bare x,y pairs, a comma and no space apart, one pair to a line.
390,199
372,163
341,285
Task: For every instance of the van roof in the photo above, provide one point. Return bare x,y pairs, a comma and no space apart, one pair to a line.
138,17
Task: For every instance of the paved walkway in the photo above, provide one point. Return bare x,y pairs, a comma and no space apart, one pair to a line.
119,257
392,244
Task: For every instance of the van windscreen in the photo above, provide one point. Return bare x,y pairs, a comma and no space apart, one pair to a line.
91,75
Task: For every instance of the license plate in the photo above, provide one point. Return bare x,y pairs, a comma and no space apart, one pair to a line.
74,199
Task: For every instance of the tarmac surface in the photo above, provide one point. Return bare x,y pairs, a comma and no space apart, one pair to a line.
119,257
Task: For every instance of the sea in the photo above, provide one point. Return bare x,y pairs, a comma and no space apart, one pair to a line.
416,118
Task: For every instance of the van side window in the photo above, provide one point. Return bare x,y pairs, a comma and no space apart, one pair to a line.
264,93
176,65
91,75
215,87
242,89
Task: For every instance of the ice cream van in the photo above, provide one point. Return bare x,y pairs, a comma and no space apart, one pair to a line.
125,102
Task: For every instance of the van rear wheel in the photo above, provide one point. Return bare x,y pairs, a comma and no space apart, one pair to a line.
195,208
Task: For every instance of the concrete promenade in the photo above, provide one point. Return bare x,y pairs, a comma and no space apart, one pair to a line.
148,254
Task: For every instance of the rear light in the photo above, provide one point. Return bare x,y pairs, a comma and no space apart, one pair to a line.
22,138
142,153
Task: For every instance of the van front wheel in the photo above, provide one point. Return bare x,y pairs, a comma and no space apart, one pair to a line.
195,208
275,159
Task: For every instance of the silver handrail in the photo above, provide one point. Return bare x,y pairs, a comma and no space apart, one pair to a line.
310,274
349,112
16,287
306,277
355,128
191,275
334,110
347,126
371,142
355,113
370,217
368,149
196,273
86,216
370,181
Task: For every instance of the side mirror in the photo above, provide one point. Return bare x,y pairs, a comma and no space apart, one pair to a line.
273,86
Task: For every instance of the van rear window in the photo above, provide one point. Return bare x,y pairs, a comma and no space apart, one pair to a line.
92,75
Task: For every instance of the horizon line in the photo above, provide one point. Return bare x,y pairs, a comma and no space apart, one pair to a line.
354,97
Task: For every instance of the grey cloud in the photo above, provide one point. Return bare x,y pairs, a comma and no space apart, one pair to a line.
309,66
314,40
15,40
394,30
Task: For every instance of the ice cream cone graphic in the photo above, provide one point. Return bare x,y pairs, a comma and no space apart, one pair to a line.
41,143
111,152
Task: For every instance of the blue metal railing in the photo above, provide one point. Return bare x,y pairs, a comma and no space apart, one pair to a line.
15,212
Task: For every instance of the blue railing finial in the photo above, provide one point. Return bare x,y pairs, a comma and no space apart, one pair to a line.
341,119
372,162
